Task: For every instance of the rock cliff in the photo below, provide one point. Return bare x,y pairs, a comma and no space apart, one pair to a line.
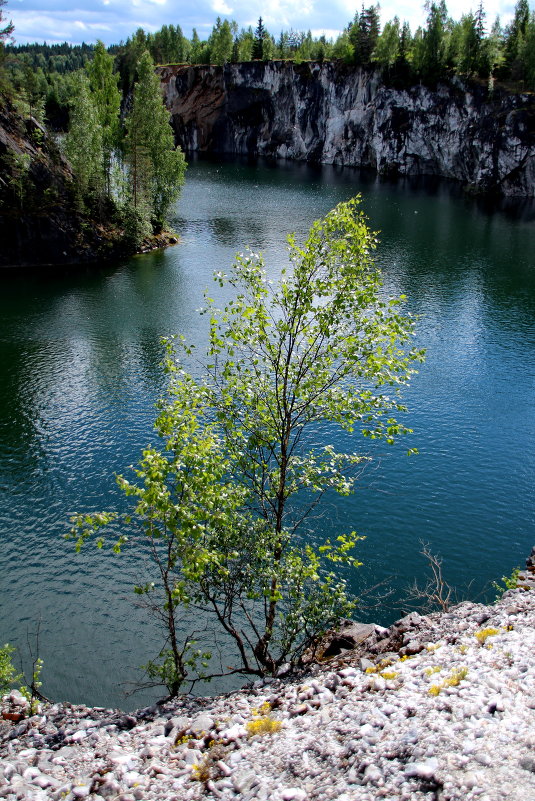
336,114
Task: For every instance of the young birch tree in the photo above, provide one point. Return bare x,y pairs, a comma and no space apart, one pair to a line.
83,143
107,99
157,167
227,501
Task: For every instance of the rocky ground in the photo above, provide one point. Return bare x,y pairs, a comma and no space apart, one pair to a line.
436,707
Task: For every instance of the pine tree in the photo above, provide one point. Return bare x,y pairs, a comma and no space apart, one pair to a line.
7,30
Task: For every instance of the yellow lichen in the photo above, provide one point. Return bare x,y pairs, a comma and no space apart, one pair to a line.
454,680
481,636
263,725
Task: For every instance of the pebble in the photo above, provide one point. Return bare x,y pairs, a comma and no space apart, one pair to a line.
293,794
345,735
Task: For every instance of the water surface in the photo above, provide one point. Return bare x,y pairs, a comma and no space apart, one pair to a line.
80,369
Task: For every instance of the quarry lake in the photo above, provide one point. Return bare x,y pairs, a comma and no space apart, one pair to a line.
80,374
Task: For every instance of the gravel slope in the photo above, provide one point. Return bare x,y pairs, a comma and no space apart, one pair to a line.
446,711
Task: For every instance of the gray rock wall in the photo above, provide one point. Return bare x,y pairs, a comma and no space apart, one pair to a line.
335,114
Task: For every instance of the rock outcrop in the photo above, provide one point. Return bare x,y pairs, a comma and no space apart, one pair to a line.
335,114
42,221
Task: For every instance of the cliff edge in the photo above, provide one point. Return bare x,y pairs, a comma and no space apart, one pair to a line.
336,114
438,707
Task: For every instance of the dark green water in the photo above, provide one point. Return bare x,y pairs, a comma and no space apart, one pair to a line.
80,374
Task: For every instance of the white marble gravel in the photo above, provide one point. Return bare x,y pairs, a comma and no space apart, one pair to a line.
452,719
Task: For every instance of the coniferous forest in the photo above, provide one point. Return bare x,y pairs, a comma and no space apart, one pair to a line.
474,46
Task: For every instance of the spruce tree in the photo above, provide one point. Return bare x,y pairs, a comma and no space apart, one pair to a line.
258,44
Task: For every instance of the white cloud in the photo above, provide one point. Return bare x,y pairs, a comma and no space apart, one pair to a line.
221,8
115,20
329,33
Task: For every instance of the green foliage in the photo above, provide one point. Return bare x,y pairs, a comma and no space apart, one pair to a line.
387,48
515,36
432,52
221,41
364,34
32,693
8,27
84,141
259,37
156,167
465,45
442,47
8,675
507,583
18,167
107,101
224,504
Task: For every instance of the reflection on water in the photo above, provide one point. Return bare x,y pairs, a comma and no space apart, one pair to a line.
81,351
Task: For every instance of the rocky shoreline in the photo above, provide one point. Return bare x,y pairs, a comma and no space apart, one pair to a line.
437,707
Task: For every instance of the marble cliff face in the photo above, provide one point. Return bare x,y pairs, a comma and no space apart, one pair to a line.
336,114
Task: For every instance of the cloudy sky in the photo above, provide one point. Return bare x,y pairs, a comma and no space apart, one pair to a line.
112,21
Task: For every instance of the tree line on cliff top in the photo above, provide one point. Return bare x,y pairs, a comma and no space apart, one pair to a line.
472,46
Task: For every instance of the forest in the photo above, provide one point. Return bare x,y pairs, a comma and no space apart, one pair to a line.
473,47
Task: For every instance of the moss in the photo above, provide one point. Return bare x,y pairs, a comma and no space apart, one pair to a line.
388,675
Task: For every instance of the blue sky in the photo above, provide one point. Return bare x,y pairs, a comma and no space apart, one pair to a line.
114,20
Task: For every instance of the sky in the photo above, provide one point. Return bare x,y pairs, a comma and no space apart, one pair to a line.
112,21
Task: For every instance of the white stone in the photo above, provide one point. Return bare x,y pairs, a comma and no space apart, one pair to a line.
421,770
293,794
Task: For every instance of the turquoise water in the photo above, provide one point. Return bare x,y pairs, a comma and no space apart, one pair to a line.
80,354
